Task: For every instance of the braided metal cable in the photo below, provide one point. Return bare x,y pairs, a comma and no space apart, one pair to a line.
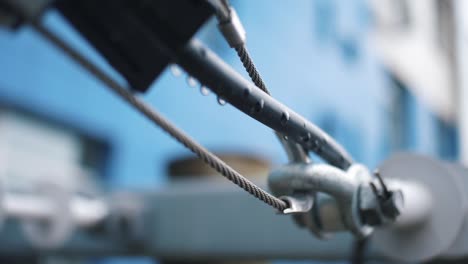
209,158
250,68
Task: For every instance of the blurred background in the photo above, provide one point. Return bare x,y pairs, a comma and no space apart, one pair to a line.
379,76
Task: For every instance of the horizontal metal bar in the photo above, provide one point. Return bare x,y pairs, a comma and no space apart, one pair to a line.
209,221
213,72
197,221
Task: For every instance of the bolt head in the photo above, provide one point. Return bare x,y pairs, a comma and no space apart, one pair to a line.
377,210
393,205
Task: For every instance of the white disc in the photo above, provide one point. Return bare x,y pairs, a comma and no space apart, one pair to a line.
437,233
460,247
2,194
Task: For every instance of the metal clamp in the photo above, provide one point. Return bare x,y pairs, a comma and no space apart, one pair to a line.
342,195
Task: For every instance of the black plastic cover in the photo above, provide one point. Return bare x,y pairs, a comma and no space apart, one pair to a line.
137,37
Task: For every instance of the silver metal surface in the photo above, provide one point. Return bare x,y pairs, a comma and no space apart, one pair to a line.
296,154
232,29
340,185
298,204
294,151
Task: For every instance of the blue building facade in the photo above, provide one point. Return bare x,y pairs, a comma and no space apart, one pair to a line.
315,56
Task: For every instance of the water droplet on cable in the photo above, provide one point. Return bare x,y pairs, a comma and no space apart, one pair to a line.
192,82
204,90
246,92
221,101
316,145
306,137
259,106
175,70
284,118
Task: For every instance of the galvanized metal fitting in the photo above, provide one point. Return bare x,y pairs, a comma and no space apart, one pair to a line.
339,192
232,29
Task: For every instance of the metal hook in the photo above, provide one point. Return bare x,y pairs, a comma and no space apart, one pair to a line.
299,203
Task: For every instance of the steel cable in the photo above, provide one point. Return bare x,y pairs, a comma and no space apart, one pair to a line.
209,158
250,68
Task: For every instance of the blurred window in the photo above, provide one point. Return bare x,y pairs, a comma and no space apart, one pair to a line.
406,130
35,149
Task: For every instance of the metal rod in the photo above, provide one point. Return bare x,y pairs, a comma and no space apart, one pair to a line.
319,177
213,72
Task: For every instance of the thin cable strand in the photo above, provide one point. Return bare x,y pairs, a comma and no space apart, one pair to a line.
250,68
209,158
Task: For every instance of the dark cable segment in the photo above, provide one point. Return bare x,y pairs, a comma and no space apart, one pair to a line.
250,68
212,160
